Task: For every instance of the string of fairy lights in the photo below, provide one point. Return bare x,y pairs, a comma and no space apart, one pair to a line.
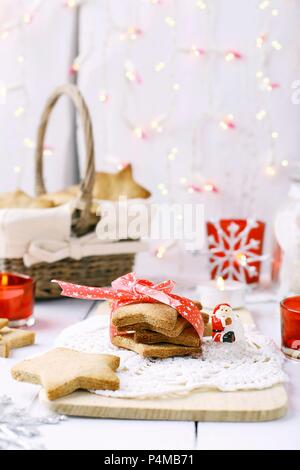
131,35
25,18
158,123
267,45
19,25
6,29
133,77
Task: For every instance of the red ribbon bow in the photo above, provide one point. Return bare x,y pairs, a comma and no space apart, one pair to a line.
129,290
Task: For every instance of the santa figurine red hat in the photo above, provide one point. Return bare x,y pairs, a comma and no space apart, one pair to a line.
222,319
222,307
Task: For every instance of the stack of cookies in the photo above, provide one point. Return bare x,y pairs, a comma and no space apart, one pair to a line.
156,330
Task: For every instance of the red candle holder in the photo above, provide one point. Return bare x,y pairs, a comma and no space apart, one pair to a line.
290,327
17,299
235,249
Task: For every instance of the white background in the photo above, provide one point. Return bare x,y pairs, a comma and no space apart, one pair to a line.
47,46
210,88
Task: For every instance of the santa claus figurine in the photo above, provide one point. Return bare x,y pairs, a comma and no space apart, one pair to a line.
226,325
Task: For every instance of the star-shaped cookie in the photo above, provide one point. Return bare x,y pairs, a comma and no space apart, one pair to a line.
3,324
179,327
158,315
159,350
108,186
13,339
189,337
111,187
63,371
21,200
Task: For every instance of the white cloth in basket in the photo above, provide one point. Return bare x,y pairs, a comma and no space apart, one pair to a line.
51,251
44,235
20,227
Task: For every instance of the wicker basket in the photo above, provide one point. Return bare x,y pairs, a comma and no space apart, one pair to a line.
97,271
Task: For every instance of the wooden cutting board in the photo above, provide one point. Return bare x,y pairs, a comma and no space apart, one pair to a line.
255,405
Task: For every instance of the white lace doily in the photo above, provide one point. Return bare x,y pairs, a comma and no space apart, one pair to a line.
256,364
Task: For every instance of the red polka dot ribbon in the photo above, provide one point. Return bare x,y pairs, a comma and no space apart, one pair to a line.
129,290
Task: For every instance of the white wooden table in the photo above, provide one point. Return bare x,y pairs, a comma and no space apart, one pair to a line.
86,434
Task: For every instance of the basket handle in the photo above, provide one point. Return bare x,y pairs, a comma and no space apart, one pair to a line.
82,213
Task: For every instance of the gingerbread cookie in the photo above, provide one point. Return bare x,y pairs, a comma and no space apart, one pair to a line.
189,337
20,200
179,327
207,324
3,324
108,187
208,329
63,371
160,350
154,315
14,339
122,184
198,304
205,317
62,197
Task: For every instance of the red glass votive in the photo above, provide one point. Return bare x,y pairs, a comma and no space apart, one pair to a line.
17,299
235,247
290,327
